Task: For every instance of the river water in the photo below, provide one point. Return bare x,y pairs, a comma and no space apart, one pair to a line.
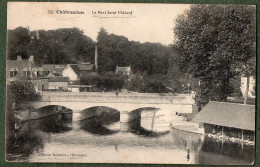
101,140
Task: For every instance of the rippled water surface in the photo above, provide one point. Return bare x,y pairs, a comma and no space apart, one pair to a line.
98,140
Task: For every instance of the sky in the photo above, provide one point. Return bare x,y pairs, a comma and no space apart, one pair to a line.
137,22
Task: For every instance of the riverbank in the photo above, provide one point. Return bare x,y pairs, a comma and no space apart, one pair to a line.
180,124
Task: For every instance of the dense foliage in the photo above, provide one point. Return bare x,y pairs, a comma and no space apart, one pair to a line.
114,82
106,82
215,43
19,94
118,50
61,46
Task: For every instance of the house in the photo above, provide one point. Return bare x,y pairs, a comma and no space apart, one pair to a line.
52,68
58,83
37,71
87,69
231,120
75,71
40,84
21,68
50,83
251,85
72,71
123,70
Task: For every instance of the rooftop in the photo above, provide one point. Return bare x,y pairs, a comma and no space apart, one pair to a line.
75,68
86,67
59,79
241,116
19,65
53,67
54,74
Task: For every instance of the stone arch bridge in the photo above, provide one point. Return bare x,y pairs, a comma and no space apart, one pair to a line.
126,103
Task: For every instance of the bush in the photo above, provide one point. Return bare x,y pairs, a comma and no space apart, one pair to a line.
154,87
104,82
20,92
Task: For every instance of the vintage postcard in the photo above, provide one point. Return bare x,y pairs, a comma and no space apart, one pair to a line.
130,83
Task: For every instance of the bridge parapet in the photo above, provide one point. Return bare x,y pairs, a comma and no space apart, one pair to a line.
110,97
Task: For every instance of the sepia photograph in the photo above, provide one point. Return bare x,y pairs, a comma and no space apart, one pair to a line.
135,83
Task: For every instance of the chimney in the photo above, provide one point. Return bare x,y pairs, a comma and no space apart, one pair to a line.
19,58
116,69
96,58
31,59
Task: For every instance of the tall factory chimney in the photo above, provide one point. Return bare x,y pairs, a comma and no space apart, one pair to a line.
96,58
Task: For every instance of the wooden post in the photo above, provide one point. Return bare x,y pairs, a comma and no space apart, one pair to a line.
222,137
242,143
242,135
222,132
153,119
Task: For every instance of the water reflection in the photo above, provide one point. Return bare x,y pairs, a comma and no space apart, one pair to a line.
218,148
59,123
204,150
136,128
189,142
96,126
30,135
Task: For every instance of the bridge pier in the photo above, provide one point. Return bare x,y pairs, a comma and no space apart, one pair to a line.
76,116
126,116
76,125
128,126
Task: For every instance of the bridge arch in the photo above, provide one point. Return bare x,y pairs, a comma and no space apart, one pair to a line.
45,106
141,109
103,107
37,105
95,120
48,110
107,114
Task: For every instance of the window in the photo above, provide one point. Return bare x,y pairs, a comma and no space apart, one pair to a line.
13,72
26,72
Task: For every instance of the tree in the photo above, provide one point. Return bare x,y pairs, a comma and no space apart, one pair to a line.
104,82
116,50
60,46
153,86
17,42
214,43
19,94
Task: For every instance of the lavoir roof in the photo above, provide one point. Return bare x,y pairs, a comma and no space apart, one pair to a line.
241,116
